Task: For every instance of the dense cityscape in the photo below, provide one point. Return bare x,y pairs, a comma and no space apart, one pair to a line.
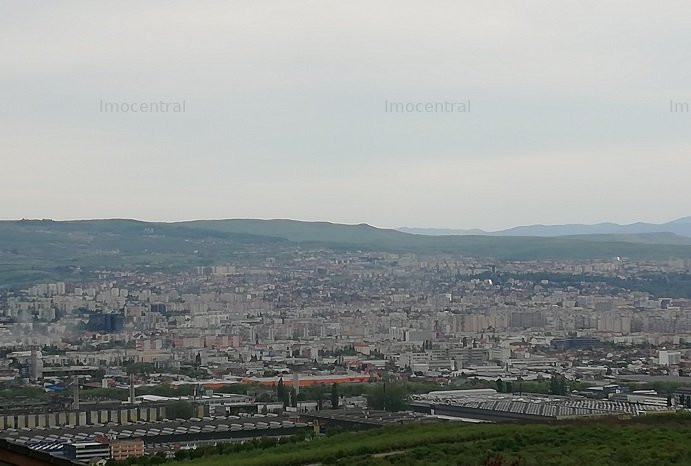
144,363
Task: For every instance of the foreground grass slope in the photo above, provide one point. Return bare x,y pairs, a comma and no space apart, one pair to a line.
655,440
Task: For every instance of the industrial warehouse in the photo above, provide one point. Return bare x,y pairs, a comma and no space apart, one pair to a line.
486,405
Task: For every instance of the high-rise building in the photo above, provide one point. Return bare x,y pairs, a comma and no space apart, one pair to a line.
108,322
669,358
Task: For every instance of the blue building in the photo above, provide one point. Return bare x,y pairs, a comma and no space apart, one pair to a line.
109,322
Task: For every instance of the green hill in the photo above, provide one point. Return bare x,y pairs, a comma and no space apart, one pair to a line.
652,440
646,238
514,247
301,232
39,250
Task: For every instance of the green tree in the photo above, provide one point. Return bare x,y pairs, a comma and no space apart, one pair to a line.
387,396
500,385
139,368
335,395
282,392
180,410
293,398
557,384
320,398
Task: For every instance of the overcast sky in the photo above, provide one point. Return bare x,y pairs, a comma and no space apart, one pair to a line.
285,117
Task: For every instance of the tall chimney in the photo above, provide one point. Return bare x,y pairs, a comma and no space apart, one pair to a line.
75,392
132,394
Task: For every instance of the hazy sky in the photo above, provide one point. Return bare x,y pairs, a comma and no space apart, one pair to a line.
285,115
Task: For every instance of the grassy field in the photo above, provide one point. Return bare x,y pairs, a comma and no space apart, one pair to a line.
652,440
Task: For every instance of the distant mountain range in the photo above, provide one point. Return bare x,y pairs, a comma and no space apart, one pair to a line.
681,227
40,250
